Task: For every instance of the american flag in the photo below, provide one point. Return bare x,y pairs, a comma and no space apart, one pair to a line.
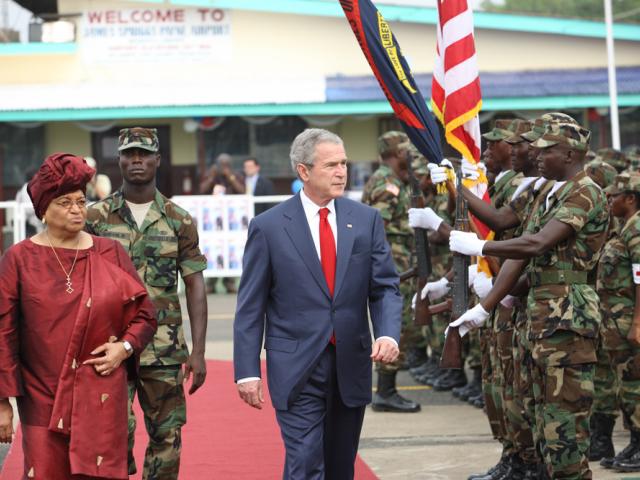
456,98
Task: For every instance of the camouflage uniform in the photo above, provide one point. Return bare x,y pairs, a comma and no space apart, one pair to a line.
519,401
390,195
495,337
441,264
617,290
604,379
165,244
633,155
563,313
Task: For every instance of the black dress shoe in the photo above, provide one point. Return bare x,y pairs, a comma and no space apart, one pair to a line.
394,403
455,378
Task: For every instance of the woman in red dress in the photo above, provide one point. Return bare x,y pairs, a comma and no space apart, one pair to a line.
73,317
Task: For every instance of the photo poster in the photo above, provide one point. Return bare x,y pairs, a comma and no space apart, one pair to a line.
223,224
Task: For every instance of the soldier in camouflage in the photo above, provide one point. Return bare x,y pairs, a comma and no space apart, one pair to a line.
618,287
161,240
616,158
387,190
633,155
429,371
561,243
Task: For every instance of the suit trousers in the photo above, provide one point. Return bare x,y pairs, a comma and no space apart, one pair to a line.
320,433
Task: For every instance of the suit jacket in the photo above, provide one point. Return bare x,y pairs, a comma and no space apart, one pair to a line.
283,297
264,186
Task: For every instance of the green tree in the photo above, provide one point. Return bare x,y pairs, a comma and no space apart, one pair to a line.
623,10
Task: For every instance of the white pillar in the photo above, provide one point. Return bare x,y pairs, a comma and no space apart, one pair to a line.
613,86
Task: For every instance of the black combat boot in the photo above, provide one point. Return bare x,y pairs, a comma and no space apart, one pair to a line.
629,457
414,357
496,472
474,387
625,453
387,398
427,367
430,379
477,401
601,430
455,378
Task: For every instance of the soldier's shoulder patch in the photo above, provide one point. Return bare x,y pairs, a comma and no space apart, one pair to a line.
392,189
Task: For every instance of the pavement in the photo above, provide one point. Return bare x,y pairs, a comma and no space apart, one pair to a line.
448,439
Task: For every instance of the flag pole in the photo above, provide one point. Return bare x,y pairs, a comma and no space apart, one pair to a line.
613,86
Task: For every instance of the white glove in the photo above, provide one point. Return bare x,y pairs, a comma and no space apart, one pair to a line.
439,172
509,301
466,243
435,290
424,218
473,271
470,320
482,285
469,170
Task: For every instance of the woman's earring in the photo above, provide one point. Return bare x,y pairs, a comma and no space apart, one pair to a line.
44,220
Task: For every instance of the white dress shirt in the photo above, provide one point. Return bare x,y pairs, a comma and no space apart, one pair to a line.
311,211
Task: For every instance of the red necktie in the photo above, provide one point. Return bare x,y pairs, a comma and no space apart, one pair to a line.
328,254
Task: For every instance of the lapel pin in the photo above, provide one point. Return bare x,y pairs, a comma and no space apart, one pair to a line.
349,225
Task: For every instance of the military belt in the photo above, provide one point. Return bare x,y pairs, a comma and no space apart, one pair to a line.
557,277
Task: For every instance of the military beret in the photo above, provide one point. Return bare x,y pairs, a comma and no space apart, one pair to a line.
500,130
613,157
540,124
138,137
625,182
568,134
388,142
518,127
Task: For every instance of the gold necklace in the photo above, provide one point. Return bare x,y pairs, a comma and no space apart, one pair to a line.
69,289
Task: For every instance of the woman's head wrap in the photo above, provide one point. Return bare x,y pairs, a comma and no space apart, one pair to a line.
60,173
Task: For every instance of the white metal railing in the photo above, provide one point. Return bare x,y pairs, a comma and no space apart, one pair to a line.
15,219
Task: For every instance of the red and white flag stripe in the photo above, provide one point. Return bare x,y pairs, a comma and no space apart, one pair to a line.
455,92
456,97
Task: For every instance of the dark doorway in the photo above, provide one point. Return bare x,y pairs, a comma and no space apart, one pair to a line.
104,146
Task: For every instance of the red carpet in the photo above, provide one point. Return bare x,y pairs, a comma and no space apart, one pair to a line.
223,438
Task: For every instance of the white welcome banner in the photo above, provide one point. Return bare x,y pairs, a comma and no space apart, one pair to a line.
156,35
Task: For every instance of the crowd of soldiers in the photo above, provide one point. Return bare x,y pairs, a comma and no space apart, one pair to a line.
554,329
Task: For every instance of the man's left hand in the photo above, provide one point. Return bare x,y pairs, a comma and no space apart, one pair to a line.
385,351
196,365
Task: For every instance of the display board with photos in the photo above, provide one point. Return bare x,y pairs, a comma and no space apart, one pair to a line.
223,223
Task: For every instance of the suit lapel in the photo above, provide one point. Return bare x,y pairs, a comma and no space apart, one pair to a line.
297,229
345,241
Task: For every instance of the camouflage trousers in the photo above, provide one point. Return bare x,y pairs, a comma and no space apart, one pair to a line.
521,411
605,395
473,354
618,374
411,336
493,392
161,397
562,376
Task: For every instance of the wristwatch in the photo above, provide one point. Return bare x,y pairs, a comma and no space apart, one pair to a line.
127,347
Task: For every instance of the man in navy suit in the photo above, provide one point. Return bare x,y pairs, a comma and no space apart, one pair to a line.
257,184
313,266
